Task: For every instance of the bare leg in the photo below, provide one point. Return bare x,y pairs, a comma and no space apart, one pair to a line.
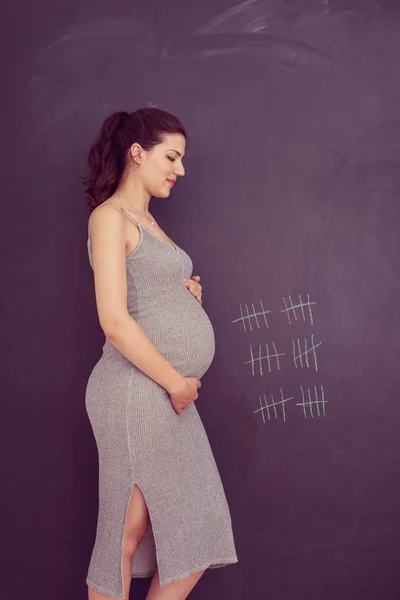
137,521
177,590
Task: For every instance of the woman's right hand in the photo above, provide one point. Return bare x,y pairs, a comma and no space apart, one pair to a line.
186,393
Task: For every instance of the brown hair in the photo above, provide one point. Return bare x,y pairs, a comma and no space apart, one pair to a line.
107,154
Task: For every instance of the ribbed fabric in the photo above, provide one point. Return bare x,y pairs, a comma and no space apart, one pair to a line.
141,440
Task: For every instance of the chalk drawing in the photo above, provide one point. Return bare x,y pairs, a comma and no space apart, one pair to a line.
246,316
298,354
291,309
309,402
268,356
271,409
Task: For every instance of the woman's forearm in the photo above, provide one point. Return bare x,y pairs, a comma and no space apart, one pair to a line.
130,339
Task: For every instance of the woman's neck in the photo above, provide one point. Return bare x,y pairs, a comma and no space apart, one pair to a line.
132,195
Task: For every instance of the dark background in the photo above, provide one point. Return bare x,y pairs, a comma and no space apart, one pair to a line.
292,188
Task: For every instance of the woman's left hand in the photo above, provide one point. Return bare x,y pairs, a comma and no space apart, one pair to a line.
194,287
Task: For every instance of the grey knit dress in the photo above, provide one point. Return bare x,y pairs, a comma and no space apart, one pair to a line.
141,440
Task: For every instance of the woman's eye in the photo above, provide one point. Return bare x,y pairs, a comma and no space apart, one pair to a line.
171,159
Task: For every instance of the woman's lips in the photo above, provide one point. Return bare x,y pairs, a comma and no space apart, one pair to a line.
171,181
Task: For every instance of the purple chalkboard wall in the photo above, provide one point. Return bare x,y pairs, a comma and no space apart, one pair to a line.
290,209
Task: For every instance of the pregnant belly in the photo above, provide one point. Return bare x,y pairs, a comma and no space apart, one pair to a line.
183,333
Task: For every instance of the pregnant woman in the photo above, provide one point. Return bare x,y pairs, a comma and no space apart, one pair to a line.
162,507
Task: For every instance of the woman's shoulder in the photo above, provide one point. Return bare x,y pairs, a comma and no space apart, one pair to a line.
106,207
106,214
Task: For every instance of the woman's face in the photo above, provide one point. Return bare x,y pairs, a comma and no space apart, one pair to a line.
162,165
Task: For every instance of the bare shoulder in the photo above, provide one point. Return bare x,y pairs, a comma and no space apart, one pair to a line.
109,230
105,214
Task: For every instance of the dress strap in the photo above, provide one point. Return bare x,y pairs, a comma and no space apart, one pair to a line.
128,214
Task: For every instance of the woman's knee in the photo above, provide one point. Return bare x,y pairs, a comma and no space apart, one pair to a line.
131,543
137,522
134,535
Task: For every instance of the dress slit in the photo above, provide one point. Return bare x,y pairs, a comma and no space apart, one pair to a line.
150,527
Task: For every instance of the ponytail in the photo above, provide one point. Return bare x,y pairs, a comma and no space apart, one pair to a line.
106,161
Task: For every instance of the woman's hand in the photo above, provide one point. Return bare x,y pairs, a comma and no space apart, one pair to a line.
194,287
185,394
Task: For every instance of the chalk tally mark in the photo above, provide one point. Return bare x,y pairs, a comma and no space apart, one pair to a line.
271,409
303,309
248,318
313,403
268,356
308,356
311,399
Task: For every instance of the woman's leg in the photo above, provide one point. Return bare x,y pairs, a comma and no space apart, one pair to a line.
177,590
137,521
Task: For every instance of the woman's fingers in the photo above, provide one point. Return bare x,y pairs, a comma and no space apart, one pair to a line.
194,288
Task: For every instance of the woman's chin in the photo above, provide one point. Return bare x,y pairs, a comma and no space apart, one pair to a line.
164,193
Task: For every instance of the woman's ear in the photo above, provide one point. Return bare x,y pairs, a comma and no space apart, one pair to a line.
136,153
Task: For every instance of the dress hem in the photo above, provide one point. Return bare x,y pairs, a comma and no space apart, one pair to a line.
208,565
213,565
